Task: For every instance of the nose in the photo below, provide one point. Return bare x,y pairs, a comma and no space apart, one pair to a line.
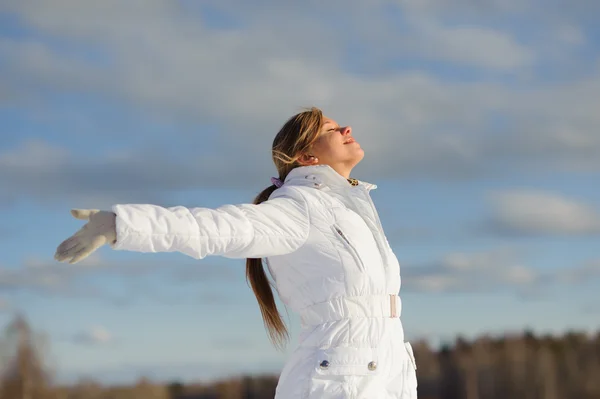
346,131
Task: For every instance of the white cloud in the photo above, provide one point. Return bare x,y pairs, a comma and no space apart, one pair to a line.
539,212
435,283
519,275
33,154
5,305
486,10
591,308
486,271
471,45
585,273
49,278
492,271
39,170
571,35
245,80
473,6
96,335
252,75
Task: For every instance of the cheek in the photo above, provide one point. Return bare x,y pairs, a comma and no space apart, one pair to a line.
332,145
322,148
328,148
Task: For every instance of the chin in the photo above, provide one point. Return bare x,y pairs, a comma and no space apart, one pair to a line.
358,157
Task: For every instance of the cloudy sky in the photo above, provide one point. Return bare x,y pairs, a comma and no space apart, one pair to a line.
480,121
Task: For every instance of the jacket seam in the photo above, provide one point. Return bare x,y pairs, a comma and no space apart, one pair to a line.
136,233
307,212
253,235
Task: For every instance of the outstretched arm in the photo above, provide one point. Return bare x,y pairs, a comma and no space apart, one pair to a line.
275,227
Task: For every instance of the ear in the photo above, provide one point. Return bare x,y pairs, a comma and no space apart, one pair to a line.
307,160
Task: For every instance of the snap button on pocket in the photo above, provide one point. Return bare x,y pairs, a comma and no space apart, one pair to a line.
347,361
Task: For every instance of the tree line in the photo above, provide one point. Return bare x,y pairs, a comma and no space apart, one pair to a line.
519,366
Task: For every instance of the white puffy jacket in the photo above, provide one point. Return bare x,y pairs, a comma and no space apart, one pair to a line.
326,250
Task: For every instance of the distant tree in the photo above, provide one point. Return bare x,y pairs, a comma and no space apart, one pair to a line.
87,389
145,389
248,388
176,389
450,386
24,375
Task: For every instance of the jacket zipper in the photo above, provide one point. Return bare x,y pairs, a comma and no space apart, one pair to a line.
350,247
380,240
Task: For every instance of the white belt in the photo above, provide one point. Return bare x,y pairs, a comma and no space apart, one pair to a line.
370,306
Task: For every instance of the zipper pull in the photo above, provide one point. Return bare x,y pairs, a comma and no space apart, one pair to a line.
341,233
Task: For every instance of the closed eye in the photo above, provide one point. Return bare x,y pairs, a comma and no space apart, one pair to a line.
332,128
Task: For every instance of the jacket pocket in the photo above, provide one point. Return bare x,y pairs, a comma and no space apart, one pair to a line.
347,372
410,375
347,361
411,354
359,262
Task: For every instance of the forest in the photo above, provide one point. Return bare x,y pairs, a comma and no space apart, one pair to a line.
519,366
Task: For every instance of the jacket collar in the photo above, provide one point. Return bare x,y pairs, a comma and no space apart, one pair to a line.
319,176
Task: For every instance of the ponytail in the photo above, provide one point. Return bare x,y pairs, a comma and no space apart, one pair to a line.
293,140
255,274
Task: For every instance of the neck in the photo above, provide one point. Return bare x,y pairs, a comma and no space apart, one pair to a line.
342,170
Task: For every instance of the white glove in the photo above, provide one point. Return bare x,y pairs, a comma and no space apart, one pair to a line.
100,230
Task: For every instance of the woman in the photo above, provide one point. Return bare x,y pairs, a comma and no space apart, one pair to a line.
320,236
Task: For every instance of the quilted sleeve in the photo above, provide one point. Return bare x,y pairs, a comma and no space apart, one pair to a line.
275,227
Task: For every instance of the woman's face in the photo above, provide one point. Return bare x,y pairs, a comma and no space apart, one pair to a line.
336,147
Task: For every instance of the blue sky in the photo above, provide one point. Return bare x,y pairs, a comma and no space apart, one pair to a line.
480,127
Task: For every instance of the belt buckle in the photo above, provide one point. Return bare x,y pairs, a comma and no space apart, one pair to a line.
393,310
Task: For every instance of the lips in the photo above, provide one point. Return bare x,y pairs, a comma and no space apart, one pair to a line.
350,141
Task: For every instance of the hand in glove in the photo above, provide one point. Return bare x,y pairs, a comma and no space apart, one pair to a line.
99,230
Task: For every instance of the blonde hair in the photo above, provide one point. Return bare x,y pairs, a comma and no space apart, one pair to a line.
292,141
